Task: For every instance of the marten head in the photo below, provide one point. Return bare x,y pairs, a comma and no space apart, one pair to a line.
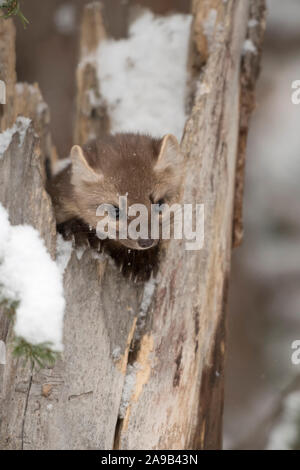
146,170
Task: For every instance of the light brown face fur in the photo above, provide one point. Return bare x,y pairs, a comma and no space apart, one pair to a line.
147,170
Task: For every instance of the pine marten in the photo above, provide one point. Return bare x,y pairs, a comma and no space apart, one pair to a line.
145,169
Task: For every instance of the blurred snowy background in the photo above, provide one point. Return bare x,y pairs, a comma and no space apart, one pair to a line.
265,290
262,407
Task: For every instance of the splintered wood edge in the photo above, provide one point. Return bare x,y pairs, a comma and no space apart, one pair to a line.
92,29
7,70
92,118
206,430
250,68
26,100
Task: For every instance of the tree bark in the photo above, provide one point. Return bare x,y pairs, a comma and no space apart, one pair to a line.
168,335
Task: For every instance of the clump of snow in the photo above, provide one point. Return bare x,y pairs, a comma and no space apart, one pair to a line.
94,100
64,250
149,289
29,275
143,78
116,354
203,89
287,432
42,107
252,23
21,125
19,87
249,47
129,384
65,18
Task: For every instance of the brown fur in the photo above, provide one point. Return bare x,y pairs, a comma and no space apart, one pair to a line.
143,168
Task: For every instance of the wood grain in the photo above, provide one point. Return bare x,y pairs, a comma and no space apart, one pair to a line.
177,350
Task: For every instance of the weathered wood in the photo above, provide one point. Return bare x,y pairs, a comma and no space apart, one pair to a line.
7,70
22,193
178,400
173,343
84,389
22,99
250,68
92,116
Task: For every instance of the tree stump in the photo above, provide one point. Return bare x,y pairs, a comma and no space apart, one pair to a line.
169,334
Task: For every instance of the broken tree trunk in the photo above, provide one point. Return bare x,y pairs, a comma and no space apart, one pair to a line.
167,336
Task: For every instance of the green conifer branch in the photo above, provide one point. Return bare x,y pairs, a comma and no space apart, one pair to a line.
12,8
38,355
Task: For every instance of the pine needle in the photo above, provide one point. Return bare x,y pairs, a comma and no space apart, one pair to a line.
12,8
38,355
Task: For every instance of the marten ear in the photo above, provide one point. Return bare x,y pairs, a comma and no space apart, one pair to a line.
170,154
81,170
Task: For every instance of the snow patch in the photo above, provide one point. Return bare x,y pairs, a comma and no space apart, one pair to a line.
203,88
249,47
94,100
21,125
63,253
129,384
252,23
116,354
149,289
29,275
20,87
143,78
42,107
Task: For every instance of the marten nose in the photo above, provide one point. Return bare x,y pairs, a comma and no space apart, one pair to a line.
145,243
